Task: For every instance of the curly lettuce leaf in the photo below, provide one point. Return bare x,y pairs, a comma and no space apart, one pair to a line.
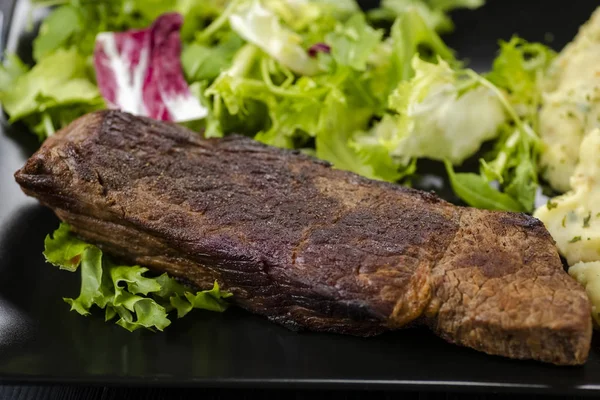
331,108
437,116
292,119
337,124
209,299
253,79
519,70
201,62
341,10
441,119
60,82
312,17
353,42
336,105
76,23
64,250
262,27
61,86
371,146
514,162
91,283
410,36
60,79
124,291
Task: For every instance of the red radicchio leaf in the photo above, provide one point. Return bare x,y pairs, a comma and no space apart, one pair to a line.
139,71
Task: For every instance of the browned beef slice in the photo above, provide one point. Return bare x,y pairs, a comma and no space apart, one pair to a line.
309,246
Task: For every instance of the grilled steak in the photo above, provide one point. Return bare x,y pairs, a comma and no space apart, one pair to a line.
309,246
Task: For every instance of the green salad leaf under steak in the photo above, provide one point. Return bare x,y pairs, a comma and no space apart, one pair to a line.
123,291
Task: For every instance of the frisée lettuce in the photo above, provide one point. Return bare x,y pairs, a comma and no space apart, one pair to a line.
124,291
358,70
517,75
429,110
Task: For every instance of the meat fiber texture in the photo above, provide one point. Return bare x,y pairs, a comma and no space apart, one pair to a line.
309,246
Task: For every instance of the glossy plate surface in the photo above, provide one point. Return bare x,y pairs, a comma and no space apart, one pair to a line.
41,341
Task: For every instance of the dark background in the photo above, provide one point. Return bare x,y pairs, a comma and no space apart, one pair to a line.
475,38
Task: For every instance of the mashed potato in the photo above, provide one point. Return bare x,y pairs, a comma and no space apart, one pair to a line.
573,219
570,161
571,104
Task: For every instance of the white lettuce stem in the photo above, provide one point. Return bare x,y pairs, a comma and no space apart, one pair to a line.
243,61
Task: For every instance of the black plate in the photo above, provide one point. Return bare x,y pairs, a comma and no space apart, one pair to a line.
41,341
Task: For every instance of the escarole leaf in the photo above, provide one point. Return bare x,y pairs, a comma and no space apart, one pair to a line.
45,96
410,35
60,79
436,115
353,42
57,30
337,123
440,113
10,70
261,26
201,62
126,292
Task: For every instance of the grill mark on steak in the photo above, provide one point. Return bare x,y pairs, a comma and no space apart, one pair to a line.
308,246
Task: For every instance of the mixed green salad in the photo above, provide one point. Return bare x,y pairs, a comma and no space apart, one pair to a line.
370,92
